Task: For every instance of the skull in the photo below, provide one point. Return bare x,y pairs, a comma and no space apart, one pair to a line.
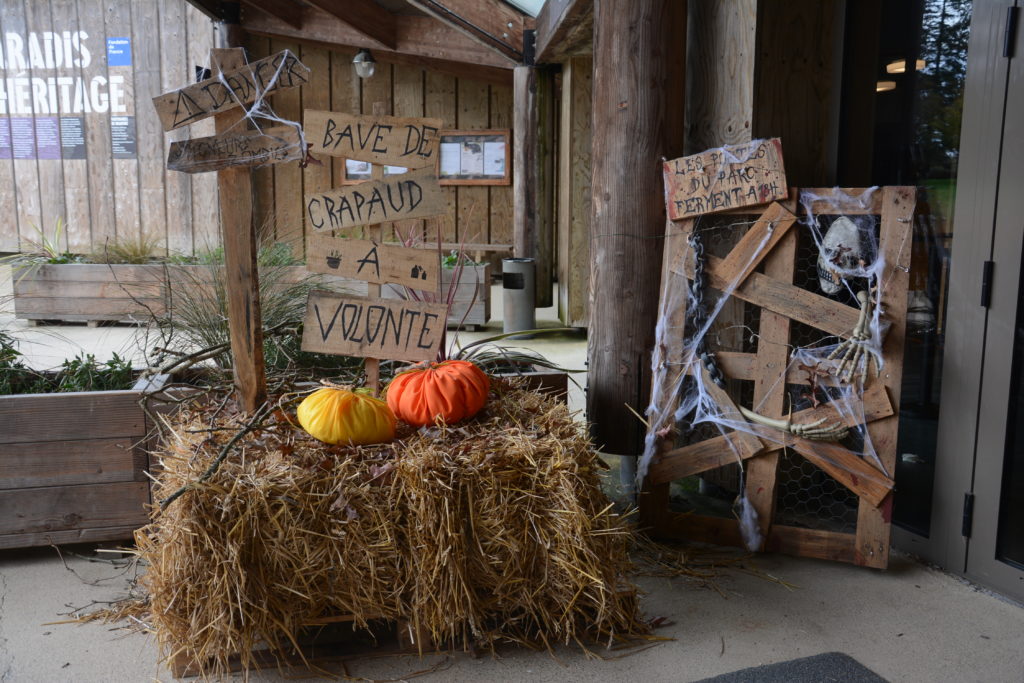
842,250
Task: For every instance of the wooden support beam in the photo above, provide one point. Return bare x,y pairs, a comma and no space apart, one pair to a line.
245,320
637,122
285,10
494,24
565,28
365,16
533,180
415,37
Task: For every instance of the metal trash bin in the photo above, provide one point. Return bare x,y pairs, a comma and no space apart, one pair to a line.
518,282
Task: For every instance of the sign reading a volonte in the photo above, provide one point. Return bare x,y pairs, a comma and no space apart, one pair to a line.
244,148
373,262
231,89
416,194
373,328
725,178
389,140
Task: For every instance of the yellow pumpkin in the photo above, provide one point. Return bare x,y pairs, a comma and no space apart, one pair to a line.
340,416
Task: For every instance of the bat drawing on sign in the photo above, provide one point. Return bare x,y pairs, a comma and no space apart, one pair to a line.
334,260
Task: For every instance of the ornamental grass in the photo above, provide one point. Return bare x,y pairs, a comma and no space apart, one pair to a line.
494,530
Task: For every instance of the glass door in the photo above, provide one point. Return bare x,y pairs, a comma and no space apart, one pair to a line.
995,546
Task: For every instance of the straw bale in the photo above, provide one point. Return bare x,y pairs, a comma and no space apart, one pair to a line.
493,530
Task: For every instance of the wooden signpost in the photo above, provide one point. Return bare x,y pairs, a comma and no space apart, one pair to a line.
416,194
229,89
244,148
726,178
385,140
229,153
374,262
374,328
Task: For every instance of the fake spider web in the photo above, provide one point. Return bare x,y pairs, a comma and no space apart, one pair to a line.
838,260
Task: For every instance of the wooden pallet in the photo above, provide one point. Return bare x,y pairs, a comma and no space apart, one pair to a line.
781,302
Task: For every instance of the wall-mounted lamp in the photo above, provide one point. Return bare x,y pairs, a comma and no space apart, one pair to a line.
884,86
364,63
899,66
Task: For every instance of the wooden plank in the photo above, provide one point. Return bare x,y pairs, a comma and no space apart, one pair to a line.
29,212
757,243
86,308
346,90
873,517
411,195
374,262
786,299
264,196
175,72
849,470
236,148
724,178
392,140
500,196
124,148
491,23
316,95
150,137
239,87
288,223
205,202
47,131
439,102
9,237
822,545
850,201
769,386
57,508
418,37
245,319
372,328
473,98
292,14
574,192
97,535
365,16
65,463
702,529
748,444
30,288
91,272
564,27
71,416
407,86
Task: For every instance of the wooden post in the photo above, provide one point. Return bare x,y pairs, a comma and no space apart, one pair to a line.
245,320
533,177
639,50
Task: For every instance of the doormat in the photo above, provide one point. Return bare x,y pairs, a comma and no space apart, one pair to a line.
830,666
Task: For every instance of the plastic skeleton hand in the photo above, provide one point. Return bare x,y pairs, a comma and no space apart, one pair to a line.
854,352
813,431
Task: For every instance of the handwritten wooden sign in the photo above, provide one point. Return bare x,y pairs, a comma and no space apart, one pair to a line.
232,89
244,148
373,262
725,178
373,328
416,194
385,140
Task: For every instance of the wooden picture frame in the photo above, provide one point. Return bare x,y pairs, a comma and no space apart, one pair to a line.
355,171
474,157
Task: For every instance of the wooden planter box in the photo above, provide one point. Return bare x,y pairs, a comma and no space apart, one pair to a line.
91,292
471,306
72,466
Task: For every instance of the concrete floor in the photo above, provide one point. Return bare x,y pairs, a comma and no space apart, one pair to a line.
909,623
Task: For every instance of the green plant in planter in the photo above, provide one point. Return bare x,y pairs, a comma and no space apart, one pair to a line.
138,249
82,373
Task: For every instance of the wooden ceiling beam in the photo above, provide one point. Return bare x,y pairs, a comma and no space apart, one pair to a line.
564,28
365,16
416,37
491,23
285,10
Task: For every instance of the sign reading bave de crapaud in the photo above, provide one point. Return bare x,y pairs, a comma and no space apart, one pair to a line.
725,178
416,194
385,140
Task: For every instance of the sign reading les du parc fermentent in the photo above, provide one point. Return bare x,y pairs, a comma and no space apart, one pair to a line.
725,178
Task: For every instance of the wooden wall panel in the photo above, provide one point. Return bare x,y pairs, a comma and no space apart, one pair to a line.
149,79
439,102
263,177
9,198
118,23
473,210
288,177
407,87
501,195
317,95
174,74
205,208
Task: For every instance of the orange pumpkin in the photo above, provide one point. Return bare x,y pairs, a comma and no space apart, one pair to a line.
448,391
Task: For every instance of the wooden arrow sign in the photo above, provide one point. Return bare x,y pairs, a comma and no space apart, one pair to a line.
244,148
386,140
374,262
416,194
232,88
